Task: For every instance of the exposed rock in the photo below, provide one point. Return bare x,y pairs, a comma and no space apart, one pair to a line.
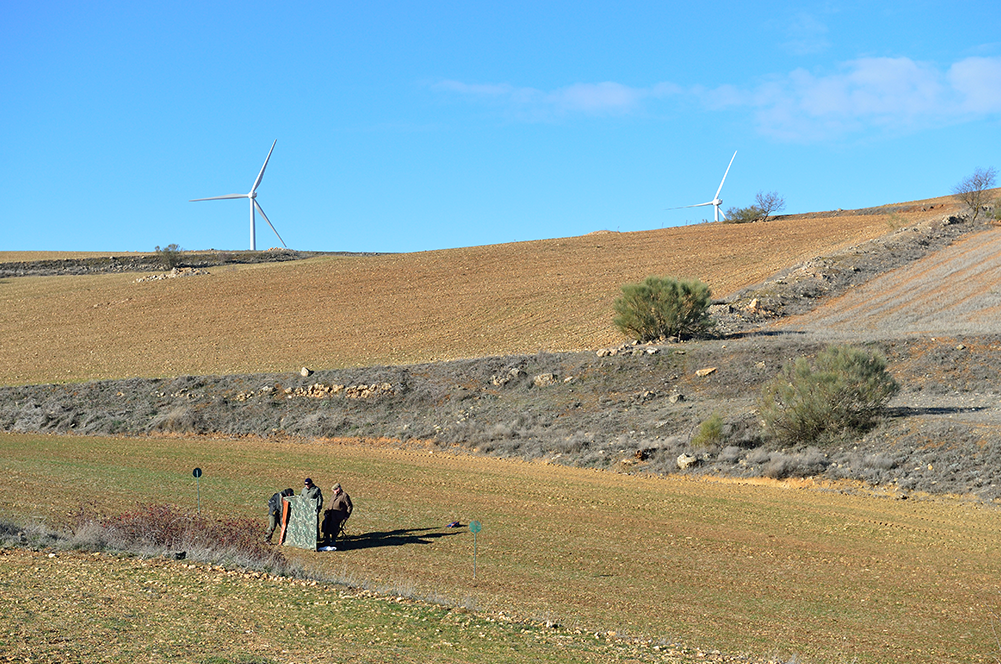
702,373
544,380
504,379
322,391
173,274
305,373
686,461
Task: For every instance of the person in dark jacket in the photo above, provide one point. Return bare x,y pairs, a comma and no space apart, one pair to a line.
275,510
334,518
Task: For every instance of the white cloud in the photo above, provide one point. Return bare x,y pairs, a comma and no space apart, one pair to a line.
590,98
884,94
978,82
869,94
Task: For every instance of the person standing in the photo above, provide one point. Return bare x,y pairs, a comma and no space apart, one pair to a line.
310,490
334,518
275,511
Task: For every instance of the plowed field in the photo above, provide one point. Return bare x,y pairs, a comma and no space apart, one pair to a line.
392,309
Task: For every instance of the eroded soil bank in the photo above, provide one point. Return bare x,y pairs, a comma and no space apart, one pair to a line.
632,412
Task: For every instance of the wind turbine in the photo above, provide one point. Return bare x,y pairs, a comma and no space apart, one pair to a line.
716,202
253,203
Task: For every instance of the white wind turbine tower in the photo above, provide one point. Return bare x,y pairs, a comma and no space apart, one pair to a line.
253,203
716,202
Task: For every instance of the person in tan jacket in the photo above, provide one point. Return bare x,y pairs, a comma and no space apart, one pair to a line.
333,519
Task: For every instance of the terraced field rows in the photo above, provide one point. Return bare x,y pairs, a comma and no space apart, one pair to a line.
392,309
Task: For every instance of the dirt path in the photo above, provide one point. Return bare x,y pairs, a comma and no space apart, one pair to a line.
955,291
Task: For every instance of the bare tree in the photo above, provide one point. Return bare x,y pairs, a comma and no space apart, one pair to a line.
768,203
973,190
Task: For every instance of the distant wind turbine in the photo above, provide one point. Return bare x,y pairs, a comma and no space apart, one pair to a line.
716,202
253,203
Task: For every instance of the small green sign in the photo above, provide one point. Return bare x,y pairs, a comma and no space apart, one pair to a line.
474,527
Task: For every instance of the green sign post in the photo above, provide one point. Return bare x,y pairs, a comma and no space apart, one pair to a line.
474,528
197,473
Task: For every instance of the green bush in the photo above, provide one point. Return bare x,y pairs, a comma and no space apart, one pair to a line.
846,389
660,308
736,215
709,433
170,256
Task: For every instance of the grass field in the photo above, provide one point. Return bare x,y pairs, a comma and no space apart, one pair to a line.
152,610
346,311
756,568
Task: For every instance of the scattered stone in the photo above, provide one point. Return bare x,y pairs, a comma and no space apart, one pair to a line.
686,461
702,373
544,380
675,397
173,274
323,391
305,373
501,380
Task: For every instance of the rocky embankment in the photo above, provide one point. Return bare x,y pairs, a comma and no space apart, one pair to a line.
154,262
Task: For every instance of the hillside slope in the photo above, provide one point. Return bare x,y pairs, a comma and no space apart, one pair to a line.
956,290
333,312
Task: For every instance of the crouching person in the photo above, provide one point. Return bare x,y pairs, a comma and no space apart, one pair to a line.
275,508
335,516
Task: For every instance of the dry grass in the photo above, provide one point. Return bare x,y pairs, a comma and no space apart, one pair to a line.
760,568
392,309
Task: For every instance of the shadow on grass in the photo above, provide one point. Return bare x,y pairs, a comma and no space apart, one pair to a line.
910,411
399,537
744,334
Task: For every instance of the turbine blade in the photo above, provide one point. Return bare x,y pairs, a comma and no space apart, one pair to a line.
690,206
261,210
219,198
261,174
724,175
721,213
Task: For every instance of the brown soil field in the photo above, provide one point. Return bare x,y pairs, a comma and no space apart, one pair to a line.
347,311
954,291
762,568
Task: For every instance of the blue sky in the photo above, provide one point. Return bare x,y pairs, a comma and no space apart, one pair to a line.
426,125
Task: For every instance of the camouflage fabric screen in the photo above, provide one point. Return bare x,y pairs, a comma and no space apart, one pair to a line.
301,531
